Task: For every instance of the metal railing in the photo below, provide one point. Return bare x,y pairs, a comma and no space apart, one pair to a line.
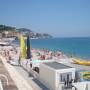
1,87
4,76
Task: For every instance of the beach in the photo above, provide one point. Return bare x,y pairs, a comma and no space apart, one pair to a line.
27,70
75,47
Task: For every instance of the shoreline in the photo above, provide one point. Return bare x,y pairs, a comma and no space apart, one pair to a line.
66,46
38,54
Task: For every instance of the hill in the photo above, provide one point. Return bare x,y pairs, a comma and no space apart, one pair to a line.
13,31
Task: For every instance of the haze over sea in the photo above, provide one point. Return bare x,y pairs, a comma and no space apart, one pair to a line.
76,47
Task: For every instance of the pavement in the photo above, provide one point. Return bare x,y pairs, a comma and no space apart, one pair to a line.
22,79
6,81
34,82
19,81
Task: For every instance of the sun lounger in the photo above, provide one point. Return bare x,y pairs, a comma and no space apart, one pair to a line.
14,63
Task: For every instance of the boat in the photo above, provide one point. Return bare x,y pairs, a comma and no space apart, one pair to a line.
85,75
8,39
4,43
81,62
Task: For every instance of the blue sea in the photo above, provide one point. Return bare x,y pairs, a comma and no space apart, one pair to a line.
76,47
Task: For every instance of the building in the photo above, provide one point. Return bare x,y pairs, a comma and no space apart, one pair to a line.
10,34
53,74
0,35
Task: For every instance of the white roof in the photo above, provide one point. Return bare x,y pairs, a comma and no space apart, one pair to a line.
56,65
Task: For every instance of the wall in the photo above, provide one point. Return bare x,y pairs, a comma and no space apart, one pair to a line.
47,77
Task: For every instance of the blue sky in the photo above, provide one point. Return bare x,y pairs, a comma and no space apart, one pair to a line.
60,18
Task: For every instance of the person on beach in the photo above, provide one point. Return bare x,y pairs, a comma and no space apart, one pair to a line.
42,57
19,60
7,55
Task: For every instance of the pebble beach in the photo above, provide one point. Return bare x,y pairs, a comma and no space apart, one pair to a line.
19,70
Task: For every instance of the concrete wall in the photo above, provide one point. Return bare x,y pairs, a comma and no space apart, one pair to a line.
47,77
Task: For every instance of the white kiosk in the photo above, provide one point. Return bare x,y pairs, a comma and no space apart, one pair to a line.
52,74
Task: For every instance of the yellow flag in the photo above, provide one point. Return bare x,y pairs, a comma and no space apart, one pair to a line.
23,48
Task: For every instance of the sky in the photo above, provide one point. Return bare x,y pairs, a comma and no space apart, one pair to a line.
60,18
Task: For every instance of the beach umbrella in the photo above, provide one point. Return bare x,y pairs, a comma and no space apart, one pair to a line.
67,79
23,48
28,48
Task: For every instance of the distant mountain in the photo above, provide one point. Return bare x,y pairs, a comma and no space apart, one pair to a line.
32,34
23,31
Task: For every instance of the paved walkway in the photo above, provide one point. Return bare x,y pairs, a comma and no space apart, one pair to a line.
19,81
36,84
6,80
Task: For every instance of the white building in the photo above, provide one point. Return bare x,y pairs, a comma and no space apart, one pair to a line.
52,74
36,63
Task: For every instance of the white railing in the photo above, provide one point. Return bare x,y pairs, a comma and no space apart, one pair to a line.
4,76
1,87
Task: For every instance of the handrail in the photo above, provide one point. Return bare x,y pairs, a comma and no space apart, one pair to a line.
1,87
2,75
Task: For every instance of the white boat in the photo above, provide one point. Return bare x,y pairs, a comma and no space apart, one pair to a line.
4,43
8,39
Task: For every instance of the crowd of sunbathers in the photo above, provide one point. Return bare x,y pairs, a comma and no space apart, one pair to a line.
11,53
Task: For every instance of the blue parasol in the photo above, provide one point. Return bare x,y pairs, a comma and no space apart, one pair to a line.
28,48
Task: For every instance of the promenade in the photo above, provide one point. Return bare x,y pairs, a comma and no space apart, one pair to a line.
15,78
7,82
21,78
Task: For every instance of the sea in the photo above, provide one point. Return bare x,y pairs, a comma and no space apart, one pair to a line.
72,47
